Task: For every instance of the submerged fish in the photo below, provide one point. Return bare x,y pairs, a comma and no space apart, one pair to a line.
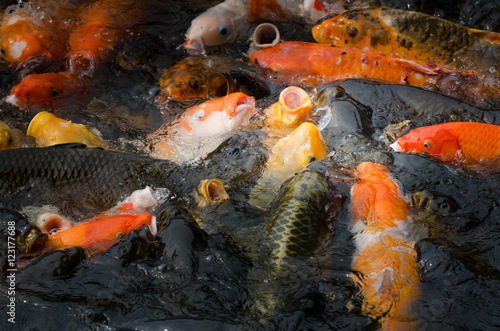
413,36
46,90
295,227
289,155
228,21
462,143
49,130
6,136
385,240
97,177
99,235
212,118
100,26
307,64
203,77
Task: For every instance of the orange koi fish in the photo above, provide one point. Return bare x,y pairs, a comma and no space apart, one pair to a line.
98,236
49,130
462,143
311,64
45,90
27,32
384,238
228,21
212,118
413,36
100,25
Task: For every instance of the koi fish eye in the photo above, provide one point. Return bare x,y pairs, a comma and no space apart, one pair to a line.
193,83
119,234
199,114
351,30
311,159
427,144
2,50
223,30
55,92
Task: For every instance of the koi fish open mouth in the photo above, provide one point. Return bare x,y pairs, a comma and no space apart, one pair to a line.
193,47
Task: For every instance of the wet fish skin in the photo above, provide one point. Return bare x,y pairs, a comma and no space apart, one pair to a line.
463,143
89,173
54,264
413,35
202,77
297,216
312,64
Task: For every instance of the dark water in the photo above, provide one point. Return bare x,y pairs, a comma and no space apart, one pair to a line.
188,278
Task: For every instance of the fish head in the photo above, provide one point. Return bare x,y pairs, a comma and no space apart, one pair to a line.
291,154
352,28
49,130
40,90
433,140
220,25
21,39
294,106
217,116
193,78
5,137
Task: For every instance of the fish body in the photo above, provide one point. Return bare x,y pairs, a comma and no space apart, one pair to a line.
46,90
100,26
203,77
49,130
462,143
96,176
311,64
385,240
296,216
228,21
98,236
212,118
414,36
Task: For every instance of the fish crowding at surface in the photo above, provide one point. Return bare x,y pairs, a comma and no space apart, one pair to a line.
463,143
312,64
414,36
226,22
385,238
212,118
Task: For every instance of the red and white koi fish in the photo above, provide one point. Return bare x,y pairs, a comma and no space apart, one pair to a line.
210,119
385,239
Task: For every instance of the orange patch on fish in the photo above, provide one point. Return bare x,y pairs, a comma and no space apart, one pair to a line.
311,64
430,38
98,236
44,90
463,143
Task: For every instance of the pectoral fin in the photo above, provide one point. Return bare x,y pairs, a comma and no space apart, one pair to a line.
417,66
